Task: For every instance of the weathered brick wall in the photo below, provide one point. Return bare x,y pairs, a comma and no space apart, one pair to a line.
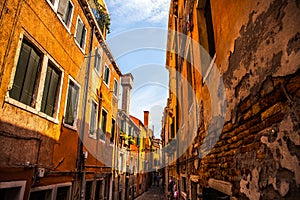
258,151
257,52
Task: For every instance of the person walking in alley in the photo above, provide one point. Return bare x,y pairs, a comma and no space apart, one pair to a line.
170,189
176,193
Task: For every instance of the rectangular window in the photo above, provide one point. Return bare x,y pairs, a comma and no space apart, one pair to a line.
189,69
106,75
72,104
116,88
113,130
63,193
184,189
37,81
65,11
103,125
80,36
51,86
93,120
26,79
98,192
12,190
121,163
88,190
98,59
41,194
206,30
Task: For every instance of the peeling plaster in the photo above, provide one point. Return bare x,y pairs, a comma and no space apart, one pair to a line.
250,186
283,188
285,158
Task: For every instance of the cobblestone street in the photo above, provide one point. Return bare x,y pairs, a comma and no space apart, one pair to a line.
154,193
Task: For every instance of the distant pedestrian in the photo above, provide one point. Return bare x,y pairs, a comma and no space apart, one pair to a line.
176,193
156,180
171,189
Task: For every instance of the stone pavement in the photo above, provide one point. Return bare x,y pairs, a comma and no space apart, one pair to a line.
153,193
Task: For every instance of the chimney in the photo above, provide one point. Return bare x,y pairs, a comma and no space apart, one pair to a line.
146,118
126,82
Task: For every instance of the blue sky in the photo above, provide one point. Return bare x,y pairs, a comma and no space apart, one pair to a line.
138,42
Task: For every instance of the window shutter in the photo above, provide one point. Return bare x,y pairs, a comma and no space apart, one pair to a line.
79,31
67,17
46,90
30,78
50,90
62,8
69,119
82,42
52,95
16,90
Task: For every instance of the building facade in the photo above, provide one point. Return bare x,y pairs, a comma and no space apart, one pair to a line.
234,95
59,88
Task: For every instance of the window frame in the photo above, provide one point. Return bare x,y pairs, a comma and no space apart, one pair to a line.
111,139
46,58
94,136
15,184
75,35
97,61
57,91
116,93
101,124
71,79
108,79
53,189
54,7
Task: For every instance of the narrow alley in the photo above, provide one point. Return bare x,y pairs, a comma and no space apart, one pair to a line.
153,193
149,99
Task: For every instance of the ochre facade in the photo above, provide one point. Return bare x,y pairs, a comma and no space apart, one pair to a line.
74,92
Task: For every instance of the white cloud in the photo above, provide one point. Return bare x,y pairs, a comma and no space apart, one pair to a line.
131,11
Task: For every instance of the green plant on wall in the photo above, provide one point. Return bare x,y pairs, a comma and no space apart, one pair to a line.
102,17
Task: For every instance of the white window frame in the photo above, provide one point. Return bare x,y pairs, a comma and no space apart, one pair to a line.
74,127
94,136
53,189
100,127
75,35
106,66
98,68
116,95
15,184
45,58
55,9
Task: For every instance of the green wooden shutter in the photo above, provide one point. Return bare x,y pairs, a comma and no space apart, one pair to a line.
16,90
69,119
26,75
50,90
30,78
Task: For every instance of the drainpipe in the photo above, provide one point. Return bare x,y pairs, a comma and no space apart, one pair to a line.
81,158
